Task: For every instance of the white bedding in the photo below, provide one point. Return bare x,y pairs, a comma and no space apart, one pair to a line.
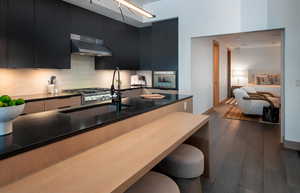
274,89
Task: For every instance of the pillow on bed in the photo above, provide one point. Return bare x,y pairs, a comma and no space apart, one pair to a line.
263,79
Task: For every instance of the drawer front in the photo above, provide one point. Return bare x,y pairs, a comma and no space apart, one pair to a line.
34,107
62,103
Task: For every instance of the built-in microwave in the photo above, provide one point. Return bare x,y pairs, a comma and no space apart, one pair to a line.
165,79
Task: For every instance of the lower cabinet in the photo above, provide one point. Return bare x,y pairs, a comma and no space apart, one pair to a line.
34,107
62,103
51,104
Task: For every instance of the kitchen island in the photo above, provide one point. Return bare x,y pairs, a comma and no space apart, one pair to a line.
42,139
116,165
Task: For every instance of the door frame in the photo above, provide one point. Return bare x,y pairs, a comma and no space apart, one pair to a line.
283,39
216,73
229,90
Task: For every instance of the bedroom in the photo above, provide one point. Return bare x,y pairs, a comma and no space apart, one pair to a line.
256,67
251,62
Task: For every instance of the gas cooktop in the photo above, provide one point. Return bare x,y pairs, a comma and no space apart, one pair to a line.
87,90
90,95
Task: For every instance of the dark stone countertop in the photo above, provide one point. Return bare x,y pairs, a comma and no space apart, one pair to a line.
45,96
39,129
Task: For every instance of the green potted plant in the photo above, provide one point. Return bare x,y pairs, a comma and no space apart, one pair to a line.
9,110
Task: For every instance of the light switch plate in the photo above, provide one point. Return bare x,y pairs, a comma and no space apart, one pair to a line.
297,83
185,106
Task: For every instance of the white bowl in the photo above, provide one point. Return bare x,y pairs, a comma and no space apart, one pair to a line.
7,115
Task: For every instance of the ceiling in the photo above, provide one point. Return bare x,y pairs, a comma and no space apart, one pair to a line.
109,8
251,39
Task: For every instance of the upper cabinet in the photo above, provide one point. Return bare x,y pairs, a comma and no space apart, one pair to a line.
3,34
159,46
38,34
20,34
145,43
87,23
165,45
123,40
52,34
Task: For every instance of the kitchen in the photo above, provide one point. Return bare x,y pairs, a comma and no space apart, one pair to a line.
79,71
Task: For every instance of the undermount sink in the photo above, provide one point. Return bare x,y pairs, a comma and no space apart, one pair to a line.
94,110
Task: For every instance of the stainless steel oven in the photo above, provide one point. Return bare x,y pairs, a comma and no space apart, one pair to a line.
165,79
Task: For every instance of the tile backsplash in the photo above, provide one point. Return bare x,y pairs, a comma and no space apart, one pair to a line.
17,82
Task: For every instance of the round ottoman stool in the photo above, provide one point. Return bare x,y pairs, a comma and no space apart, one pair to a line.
185,165
154,182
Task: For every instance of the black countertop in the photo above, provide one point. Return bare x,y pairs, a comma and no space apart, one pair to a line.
39,129
45,96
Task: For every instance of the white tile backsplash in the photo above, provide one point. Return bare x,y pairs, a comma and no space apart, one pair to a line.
16,82
147,74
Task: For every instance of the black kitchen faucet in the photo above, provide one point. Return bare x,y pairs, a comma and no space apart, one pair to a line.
116,93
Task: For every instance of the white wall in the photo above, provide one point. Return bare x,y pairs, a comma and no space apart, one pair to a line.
286,14
196,18
253,15
202,70
257,60
210,17
17,82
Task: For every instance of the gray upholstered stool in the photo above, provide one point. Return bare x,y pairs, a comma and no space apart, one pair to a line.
154,182
185,165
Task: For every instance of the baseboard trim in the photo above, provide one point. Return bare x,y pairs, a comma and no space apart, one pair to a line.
291,145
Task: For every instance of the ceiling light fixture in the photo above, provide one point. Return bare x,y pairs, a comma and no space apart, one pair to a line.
135,8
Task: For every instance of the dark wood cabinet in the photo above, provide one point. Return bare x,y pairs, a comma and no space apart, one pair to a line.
3,34
87,23
145,43
165,45
20,34
52,34
123,40
36,34
159,46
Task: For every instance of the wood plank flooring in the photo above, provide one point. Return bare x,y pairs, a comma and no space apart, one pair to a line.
248,158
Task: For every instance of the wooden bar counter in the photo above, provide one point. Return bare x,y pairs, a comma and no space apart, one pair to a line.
115,165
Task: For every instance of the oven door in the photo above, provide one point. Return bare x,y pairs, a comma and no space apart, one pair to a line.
165,79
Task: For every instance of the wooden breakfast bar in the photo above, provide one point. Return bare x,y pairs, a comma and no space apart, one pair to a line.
114,166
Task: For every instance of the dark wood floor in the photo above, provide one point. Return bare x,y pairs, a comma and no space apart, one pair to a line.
248,158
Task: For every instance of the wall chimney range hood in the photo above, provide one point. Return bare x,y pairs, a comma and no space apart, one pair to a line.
83,45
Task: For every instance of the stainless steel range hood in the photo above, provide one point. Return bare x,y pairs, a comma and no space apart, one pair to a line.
84,45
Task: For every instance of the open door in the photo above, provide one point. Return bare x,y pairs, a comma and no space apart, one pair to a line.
216,73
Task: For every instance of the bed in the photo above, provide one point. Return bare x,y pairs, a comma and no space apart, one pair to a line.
274,89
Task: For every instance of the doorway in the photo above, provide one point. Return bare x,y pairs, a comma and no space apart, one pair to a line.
229,91
216,73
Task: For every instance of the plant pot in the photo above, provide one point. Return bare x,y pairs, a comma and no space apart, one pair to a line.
7,115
